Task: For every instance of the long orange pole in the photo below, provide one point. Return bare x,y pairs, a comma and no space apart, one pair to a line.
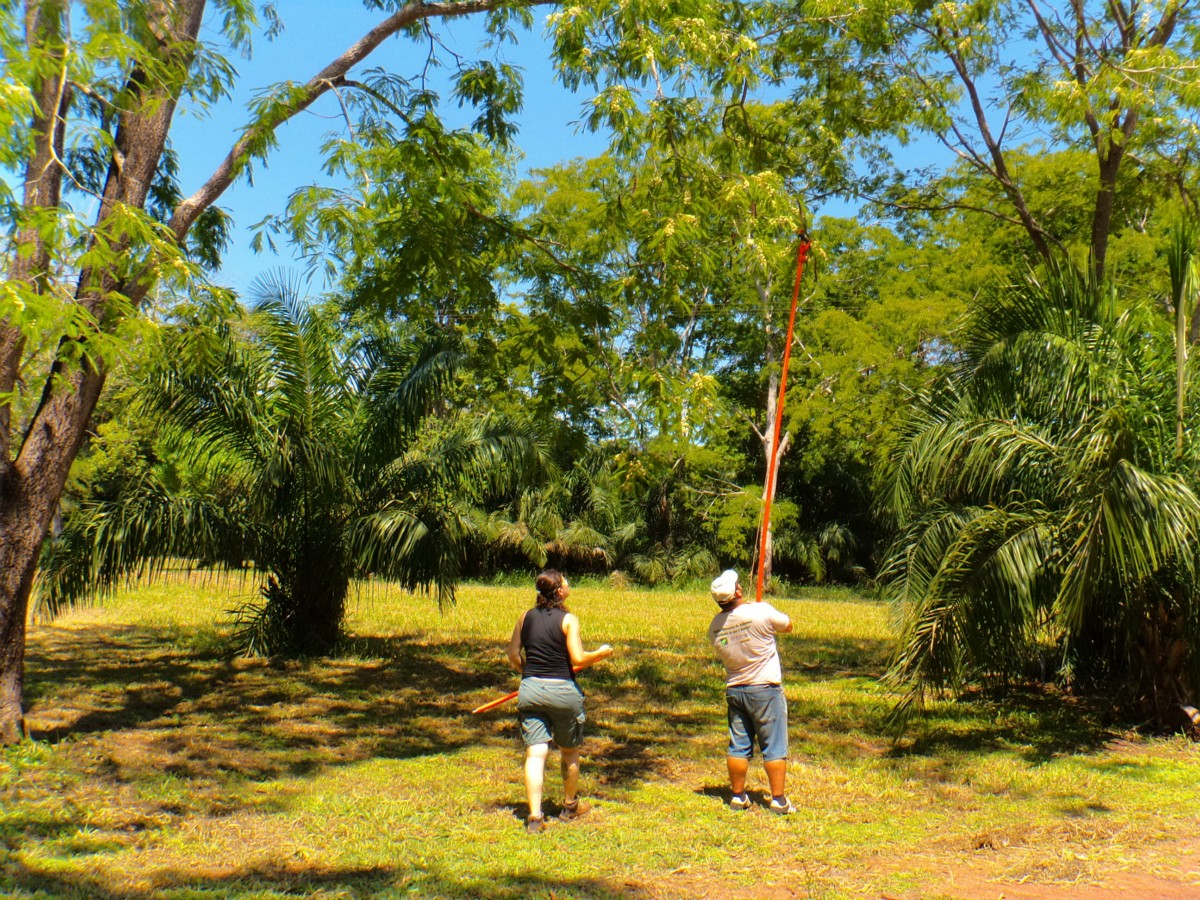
493,704
773,462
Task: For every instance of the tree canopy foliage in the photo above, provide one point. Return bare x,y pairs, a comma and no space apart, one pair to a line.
100,228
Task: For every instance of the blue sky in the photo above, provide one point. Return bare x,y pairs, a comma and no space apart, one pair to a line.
313,37
550,124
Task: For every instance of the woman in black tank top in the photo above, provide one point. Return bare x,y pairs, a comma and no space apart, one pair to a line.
546,648
545,643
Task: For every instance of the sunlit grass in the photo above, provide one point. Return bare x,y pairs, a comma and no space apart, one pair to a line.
163,765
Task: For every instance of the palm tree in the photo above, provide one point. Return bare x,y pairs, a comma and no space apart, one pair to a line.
575,520
1046,522
310,464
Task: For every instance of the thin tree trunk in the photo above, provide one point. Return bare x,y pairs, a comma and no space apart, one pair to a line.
1181,353
768,442
1106,194
1182,307
767,436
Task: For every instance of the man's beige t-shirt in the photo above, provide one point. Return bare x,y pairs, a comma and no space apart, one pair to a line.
744,638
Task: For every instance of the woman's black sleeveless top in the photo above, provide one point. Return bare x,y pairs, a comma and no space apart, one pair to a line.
545,645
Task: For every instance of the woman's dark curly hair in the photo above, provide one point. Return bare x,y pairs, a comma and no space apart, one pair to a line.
549,587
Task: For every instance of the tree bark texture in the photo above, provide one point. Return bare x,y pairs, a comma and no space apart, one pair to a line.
767,435
767,548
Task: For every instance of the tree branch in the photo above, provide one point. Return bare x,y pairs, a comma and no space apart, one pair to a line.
234,163
45,28
999,163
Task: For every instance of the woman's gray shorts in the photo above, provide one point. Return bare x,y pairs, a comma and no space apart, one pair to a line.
550,709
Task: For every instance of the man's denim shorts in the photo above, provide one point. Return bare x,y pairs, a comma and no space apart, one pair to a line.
757,711
550,709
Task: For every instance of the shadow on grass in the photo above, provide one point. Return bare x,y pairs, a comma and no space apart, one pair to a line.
396,698
208,716
200,720
1036,724
297,881
154,735
826,657
724,794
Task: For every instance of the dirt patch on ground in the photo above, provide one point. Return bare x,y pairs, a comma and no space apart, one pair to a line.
1171,871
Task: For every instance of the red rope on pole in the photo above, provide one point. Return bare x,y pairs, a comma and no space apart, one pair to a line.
773,462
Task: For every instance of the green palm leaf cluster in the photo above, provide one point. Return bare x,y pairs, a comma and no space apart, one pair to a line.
573,521
1047,526
311,463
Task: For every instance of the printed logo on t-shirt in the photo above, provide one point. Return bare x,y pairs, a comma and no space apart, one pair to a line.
739,631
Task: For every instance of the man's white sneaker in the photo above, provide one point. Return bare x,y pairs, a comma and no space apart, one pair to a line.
782,809
739,802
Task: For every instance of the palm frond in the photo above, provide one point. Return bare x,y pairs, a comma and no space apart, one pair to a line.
1022,490
106,544
976,582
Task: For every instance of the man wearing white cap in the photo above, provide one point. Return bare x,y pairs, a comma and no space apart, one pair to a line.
743,634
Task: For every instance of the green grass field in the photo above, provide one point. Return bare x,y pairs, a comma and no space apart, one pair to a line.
163,766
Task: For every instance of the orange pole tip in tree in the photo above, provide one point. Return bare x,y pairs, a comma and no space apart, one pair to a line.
773,462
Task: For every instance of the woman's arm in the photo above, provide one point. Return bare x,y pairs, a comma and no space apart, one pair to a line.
514,646
580,658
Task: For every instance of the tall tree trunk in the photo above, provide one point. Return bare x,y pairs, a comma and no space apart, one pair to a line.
1163,669
767,434
20,534
1106,198
768,443
767,548
33,483
27,506
1112,129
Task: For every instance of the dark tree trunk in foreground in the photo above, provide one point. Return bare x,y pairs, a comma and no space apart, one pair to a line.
32,482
